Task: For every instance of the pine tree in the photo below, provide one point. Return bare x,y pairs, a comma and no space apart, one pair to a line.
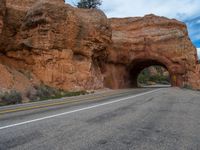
89,4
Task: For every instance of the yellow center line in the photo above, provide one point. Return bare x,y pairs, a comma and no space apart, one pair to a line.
94,98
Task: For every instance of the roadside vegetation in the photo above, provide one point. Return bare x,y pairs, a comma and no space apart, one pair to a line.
10,98
146,78
44,92
40,93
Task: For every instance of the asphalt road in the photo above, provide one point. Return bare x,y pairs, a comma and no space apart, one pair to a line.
141,119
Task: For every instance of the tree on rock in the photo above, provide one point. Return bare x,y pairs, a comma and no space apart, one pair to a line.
89,4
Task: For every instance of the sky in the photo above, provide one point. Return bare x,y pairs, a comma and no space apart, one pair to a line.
198,50
187,11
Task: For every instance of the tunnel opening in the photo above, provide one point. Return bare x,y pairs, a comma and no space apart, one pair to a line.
154,76
149,73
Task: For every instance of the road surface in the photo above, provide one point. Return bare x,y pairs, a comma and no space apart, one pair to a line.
141,119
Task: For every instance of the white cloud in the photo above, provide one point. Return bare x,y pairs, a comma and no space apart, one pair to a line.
198,52
184,10
180,9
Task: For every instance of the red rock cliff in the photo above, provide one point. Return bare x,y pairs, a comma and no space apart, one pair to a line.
55,44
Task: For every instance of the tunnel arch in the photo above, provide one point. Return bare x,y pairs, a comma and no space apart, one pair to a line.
140,62
139,65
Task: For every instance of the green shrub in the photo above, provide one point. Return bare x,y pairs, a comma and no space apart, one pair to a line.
44,92
12,97
159,79
145,77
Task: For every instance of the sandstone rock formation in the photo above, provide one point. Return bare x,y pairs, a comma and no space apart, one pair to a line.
52,43
151,40
2,14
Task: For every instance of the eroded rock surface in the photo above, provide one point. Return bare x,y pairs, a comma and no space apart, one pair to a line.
2,14
151,40
61,46
52,43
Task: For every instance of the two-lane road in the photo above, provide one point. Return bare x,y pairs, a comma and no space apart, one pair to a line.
142,119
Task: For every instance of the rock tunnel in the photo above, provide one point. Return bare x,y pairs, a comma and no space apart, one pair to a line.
125,76
140,42
138,65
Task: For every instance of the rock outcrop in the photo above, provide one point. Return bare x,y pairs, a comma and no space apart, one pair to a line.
151,40
52,43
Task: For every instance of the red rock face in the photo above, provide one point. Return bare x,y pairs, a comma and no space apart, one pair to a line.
2,14
151,40
49,42
57,44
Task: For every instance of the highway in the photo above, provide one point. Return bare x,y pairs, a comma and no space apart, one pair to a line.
129,119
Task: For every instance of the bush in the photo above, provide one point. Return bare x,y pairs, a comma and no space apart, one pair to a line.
12,97
159,79
44,92
144,78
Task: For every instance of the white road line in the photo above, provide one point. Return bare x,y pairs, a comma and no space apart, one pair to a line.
77,110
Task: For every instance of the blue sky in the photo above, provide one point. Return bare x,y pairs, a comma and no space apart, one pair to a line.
187,11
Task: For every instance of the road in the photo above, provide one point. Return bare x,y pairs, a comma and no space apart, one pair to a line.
141,119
